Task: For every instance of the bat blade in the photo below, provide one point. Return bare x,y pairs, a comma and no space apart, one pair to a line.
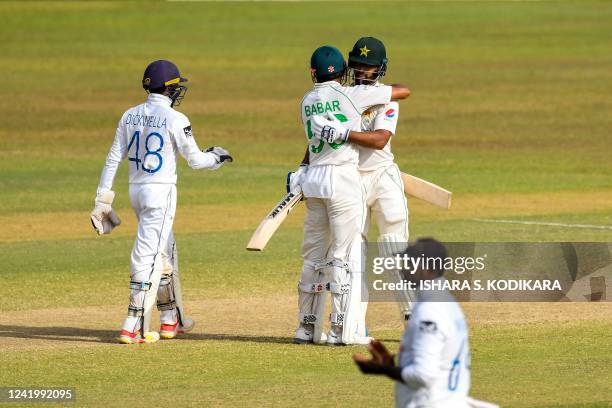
268,226
427,191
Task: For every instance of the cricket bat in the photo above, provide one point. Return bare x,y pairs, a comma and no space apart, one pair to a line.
426,191
273,220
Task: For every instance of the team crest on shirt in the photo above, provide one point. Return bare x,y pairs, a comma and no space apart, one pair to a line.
188,132
427,326
390,113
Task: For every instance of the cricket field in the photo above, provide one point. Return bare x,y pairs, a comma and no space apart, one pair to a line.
510,109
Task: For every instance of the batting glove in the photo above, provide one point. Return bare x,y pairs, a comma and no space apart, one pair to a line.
103,217
221,155
331,131
296,178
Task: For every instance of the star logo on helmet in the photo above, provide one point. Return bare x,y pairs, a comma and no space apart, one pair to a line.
364,51
330,69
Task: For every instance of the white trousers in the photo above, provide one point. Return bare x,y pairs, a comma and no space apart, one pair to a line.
332,224
332,232
155,207
385,201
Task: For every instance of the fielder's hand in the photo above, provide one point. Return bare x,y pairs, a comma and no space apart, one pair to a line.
221,155
380,362
103,217
295,179
330,130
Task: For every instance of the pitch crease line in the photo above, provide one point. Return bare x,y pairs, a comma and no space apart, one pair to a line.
548,224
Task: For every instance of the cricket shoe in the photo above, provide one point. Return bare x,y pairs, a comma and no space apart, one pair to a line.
305,335
127,337
334,336
169,331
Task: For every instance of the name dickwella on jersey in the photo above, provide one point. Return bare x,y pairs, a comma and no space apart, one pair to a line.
145,120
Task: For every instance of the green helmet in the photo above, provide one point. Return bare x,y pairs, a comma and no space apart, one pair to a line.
327,63
369,51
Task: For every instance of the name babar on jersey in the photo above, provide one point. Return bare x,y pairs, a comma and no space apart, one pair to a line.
346,104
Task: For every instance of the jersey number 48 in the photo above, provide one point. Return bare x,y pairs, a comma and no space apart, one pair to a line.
135,140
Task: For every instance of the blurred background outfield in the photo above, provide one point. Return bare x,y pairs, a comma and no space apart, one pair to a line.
510,110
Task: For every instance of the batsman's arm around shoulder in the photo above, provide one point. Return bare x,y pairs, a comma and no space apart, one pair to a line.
376,139
399,91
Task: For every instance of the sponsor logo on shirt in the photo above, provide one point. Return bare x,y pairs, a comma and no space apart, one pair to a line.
390,113
188,132
427,326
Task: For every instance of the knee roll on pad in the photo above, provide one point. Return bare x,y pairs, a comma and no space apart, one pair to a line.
312,287
339,288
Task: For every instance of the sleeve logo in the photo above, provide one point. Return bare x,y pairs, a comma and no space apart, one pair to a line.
427,326
390,113
188,132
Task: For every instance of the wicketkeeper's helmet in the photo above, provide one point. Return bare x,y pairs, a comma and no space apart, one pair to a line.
163,74
326,64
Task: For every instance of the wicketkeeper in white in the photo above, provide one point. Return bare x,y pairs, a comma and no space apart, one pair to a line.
150,135
329,179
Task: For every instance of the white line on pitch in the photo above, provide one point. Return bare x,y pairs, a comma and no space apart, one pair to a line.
548,224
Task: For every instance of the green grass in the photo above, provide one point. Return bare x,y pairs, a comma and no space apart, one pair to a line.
510,104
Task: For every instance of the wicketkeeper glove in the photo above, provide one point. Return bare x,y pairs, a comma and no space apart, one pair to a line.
221,155
331,131
103,217
296,178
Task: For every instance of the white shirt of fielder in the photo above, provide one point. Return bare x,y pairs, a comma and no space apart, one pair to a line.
434,354
150,135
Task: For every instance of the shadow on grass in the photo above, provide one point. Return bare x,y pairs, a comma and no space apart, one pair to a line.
78,334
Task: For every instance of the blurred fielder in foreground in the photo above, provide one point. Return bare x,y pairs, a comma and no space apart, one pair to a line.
433,368
150,135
